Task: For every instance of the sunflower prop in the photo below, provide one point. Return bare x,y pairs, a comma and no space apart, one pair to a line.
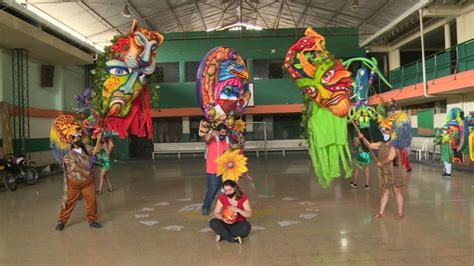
239,126
231,165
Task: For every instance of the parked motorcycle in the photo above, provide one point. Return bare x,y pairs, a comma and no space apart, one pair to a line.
19,167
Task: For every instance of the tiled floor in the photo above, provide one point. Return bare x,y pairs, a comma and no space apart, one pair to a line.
336,230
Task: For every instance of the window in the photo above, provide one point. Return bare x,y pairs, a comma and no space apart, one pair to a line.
191,69
287,126
168,129
269,69
167,72
439,107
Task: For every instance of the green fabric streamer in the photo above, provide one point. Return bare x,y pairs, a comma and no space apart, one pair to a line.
328,145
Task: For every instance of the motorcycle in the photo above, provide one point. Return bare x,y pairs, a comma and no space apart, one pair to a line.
19,167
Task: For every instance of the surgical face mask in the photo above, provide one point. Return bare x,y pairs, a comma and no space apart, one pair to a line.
386,137
222,137
79,150
230,195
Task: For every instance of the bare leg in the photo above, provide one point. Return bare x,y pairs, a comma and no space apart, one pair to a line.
383,202
399,198
106,175
367,175
356,174
101,182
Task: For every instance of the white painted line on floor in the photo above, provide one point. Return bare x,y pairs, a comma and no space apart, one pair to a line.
139,216
162,203
149,223
288,198
306,203
191,207
312,209
147,209
308,215
173,227
287,223
205,230
265,196
185,199
258,228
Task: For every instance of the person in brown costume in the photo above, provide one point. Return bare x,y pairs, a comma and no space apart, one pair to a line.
79,180
388,178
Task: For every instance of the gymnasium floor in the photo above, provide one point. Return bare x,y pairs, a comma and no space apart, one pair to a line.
153,218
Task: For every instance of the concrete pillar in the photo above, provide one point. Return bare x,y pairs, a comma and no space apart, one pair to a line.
186,129
447,36
394,59
464,28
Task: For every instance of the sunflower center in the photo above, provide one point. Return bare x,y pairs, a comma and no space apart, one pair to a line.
230,165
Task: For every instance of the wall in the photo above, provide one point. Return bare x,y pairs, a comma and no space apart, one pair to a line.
251,45
45,103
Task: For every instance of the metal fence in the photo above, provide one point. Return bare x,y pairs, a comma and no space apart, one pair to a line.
453,60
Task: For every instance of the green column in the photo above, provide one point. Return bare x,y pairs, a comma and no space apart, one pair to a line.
182,71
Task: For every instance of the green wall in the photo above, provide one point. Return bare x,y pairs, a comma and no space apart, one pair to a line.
192,46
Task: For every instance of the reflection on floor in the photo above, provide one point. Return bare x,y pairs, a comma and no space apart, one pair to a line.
153,218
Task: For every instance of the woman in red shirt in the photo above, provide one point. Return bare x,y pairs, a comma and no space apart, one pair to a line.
232,209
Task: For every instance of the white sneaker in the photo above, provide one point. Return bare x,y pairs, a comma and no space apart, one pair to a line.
238,239
218,238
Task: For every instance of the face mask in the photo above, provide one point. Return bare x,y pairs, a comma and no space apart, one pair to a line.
231,195
221,137
386,137
78,150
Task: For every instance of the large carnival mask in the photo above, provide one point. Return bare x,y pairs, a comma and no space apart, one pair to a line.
318,74
221,85
61,136
130,60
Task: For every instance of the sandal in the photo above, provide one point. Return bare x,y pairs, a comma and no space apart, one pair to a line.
109,190
378,216
399,216
98,192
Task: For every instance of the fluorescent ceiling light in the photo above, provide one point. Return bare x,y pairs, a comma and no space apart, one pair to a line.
236,27
60,25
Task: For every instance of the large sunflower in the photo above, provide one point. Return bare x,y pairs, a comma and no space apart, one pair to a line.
231,165
239,126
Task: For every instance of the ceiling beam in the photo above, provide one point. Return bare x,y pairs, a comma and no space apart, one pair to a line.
336,13
200,14
391,25
101,19
137,15
261,17
446,11
414,36
291,13
305,10
377,11
277,20
181,28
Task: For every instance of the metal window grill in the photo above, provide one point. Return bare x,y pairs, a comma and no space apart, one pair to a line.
191,69
167,72
269,69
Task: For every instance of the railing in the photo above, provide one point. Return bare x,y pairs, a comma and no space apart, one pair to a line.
453,60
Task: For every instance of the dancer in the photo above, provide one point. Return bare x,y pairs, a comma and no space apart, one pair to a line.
362,163
68,148
232,210
445,140
217,143
107,146
388,179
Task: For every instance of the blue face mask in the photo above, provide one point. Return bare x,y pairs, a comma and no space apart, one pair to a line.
386,137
